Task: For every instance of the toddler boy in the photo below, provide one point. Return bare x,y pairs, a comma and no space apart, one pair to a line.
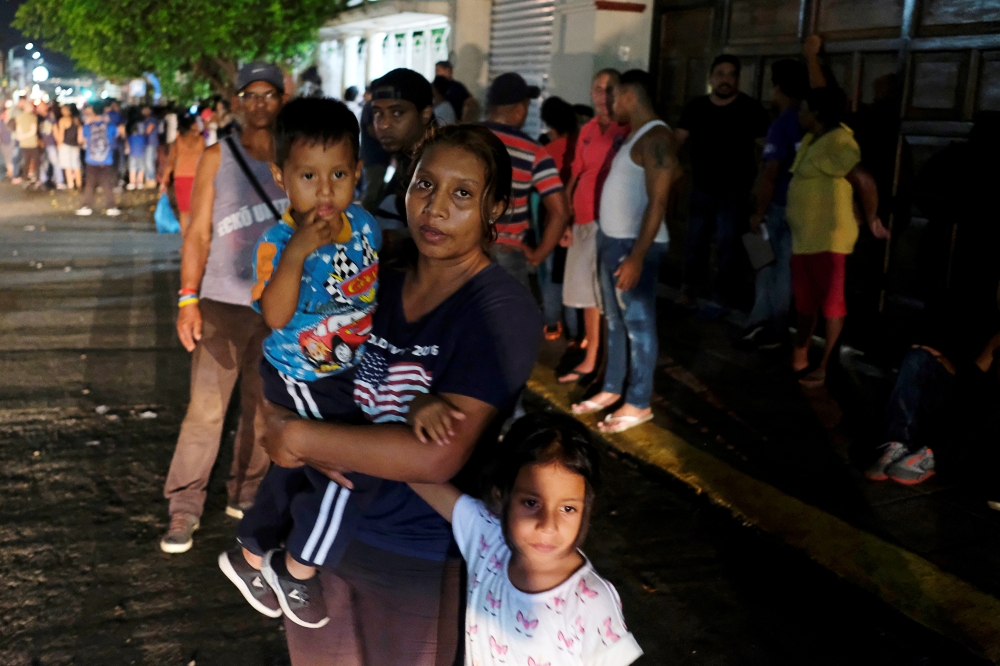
316,276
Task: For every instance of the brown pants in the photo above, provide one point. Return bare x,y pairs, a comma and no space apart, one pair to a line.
230,348
385,610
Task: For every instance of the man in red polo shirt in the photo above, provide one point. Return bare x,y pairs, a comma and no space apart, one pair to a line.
581,287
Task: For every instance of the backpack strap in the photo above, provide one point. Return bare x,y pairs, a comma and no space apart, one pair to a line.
257,187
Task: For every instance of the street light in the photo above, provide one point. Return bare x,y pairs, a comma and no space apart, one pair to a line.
36,55
29,46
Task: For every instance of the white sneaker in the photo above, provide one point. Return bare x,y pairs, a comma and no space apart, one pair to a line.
60,187
84,211
112,212
130,186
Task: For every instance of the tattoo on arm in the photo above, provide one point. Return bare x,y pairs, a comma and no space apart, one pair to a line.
662,153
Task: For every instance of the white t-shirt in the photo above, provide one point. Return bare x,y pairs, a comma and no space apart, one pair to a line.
577,623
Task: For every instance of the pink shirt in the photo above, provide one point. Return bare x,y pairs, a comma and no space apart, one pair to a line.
592,147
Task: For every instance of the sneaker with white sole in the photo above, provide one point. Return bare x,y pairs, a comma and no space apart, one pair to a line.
249,582
301,600
178,538
892,452
113,212
85,211
234,511
914,468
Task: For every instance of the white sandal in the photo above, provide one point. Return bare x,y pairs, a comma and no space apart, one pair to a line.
588,407
615,424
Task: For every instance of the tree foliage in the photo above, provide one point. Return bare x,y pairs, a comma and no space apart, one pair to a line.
194,42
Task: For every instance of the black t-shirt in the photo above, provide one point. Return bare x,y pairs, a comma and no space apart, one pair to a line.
722,142
456,94
372,151
481,343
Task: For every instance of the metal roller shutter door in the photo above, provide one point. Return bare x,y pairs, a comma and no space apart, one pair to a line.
521,41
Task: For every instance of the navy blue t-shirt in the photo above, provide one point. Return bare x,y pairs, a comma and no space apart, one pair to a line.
478,343
783,139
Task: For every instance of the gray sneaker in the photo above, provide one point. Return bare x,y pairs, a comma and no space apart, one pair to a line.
892,452
178,537
914,468
249,582
302,600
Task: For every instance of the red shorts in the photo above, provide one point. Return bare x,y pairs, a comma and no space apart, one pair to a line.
818,282
182,189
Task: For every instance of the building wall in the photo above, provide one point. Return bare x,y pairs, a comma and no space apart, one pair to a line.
470,44
587,39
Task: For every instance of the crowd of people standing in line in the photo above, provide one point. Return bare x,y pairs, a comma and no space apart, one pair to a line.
105,145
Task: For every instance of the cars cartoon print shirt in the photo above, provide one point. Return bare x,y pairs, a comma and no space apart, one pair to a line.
337,298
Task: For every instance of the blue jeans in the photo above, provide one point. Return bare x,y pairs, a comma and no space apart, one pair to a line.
51,160
773,283
150,159
708,212
631,316
552,307
915,413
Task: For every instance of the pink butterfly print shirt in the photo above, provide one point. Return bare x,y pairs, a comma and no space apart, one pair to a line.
576,623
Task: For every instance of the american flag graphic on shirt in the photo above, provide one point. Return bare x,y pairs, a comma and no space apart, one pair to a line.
384,391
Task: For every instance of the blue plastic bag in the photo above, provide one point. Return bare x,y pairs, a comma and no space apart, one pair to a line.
166,221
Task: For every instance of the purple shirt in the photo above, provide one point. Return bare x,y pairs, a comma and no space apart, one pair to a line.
783,139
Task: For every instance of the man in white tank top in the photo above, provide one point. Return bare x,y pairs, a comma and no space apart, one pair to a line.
630,245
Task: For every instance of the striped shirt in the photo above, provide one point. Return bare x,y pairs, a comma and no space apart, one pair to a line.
532,168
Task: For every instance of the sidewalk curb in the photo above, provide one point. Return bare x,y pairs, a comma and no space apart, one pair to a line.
907,582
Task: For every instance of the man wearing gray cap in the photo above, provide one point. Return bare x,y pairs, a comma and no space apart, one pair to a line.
234,201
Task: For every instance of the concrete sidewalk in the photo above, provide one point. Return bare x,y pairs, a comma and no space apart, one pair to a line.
738,428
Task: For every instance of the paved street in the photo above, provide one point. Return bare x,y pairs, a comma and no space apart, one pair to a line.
93,388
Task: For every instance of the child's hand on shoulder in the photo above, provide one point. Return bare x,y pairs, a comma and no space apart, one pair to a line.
312,234
433,419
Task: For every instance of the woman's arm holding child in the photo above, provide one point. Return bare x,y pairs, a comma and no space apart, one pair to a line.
431,417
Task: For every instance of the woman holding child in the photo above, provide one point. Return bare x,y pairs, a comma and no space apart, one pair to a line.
449,324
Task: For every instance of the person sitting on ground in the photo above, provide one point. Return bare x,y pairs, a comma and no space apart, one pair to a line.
533,597
942,394
631,243
768,324
826,176
182,164
316,276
